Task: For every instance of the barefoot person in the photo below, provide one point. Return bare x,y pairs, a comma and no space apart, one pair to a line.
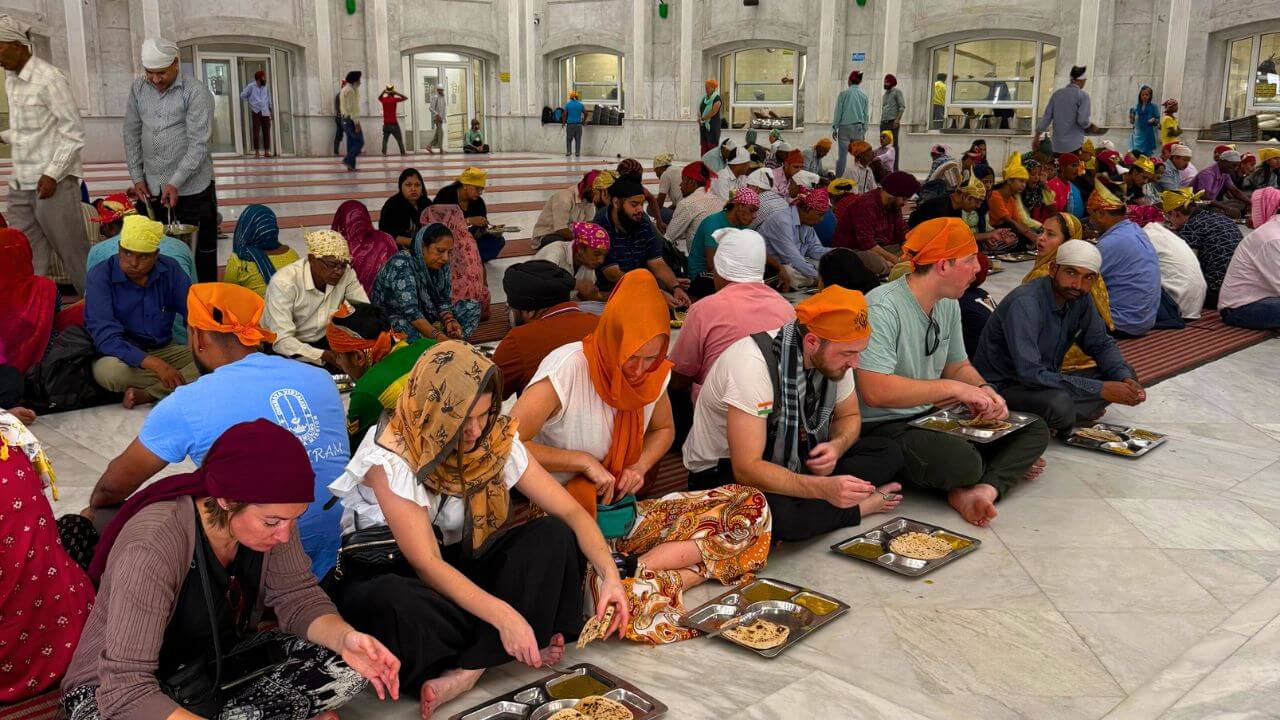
597,416
219,547
916,361
467,590
754,424
130,303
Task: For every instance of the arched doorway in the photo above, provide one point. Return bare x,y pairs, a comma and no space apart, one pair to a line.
227,68
463,78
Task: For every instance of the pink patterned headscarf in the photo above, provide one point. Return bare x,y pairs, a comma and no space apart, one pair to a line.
370,247
1144,214
1265,203
746,195
589,235
467,270
817,200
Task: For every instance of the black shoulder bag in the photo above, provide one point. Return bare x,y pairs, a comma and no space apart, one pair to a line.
190,684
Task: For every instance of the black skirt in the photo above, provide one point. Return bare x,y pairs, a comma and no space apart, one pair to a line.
536,568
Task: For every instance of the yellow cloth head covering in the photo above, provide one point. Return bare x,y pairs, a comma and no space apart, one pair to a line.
1145,165
1178,199
327,243
1103,199
604,180
473,176
1087,146
663,159
887,132
1013,169
1075,230
141,234
973,187
1266,154
840,186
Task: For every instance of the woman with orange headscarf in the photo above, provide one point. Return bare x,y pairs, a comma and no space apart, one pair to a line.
597,415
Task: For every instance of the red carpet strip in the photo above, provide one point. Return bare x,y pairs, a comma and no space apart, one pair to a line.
1163,354
42,707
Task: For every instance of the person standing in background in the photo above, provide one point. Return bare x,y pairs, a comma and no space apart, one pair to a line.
849,122
349,107
1170,129
571,120
939,101
1145,119
709,117
168,119
891,112
259,99
389,99
337,119
47,137
437,121
1068,113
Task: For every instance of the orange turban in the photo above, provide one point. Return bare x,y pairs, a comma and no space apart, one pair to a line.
857,147
939,239
241,309
635,314
795,157
343,339
1103,199
836,314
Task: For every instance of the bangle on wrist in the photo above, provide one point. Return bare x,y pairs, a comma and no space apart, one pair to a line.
988,385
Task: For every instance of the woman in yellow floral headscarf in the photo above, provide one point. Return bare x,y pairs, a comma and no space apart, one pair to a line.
469,588
1056,230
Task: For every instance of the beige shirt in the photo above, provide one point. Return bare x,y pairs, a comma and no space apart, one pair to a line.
298,312
349,102
561,208
669,185
44,125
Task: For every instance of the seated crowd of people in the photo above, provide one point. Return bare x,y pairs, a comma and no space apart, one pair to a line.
470,505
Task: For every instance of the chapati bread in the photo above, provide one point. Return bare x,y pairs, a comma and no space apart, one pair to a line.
568,714
984,424
595,707
595,628
919,546
759,635
1098,434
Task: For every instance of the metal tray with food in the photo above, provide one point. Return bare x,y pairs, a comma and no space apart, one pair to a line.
957,420
908,547
344,382
1014,257
542,699
1119,440
765,615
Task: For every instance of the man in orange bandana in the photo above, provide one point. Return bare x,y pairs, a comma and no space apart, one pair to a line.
916,360
778,412
238,384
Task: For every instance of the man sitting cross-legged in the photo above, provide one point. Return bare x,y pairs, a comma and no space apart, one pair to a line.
916,360
777,412
1027,338
543,318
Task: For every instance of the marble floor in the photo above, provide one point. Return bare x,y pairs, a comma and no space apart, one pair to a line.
1106,588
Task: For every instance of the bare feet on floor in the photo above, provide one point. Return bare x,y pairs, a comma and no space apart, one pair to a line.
975,504
440,690
553,652
1037,467
878,503
134,397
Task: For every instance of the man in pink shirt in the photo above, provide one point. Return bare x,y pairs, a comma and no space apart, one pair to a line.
742,305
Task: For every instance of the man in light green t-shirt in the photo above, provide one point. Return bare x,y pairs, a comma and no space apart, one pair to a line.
916,360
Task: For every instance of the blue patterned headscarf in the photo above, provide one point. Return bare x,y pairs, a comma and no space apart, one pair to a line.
435,287
256,233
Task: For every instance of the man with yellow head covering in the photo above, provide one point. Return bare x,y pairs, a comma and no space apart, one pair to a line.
239,384
1139,182
132,301
304,294
964,200
467,193
1212,235
916,360
1130,265
758,426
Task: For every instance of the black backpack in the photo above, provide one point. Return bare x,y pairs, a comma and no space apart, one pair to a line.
64,379
547,116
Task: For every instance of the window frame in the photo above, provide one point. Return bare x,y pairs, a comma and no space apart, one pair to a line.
1251,73
798,67
567,65
1008,104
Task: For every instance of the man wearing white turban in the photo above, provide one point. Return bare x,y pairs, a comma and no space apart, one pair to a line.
47,138
168,119
1027,337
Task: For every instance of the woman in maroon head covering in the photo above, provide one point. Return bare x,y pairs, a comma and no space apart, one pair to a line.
370,247
213,549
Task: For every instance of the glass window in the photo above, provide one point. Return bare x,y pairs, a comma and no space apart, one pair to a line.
763,87
596,76
1237,78
1252,76
991,83
1265,77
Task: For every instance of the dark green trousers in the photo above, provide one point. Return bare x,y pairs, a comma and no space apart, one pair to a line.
935,461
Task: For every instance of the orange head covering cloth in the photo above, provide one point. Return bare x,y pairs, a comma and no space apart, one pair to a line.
836,315
939,239
1103,199
343,339
634,315
240,309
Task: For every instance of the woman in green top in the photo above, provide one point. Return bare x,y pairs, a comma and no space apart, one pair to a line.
475,140
740,212
256,251
377,359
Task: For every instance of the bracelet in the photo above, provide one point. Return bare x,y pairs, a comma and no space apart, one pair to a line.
988,385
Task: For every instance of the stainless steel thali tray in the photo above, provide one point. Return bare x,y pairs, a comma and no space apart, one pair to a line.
800,609
538,701
1133,443
872,546
948,419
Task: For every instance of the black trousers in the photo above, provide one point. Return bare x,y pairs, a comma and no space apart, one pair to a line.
1061,410
11,385
338,134
875,460
536,568
201,210
392,130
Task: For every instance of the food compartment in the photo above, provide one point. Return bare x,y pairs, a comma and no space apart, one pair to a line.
864,548
505,710
796,619
955,541
894,559
634,702
577,684
545,711
764,590
712,616
533,696
819,605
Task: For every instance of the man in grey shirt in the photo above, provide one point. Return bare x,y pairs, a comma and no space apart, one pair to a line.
891,112
167,123
1068,112
437,121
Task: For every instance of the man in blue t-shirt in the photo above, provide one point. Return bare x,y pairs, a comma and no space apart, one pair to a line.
571,119
238,384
